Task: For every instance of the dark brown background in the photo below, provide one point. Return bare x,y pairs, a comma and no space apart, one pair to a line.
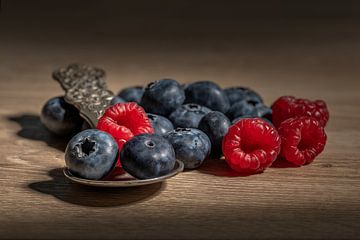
309,49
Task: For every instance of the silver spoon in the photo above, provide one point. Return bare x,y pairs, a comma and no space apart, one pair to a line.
124,180
85,88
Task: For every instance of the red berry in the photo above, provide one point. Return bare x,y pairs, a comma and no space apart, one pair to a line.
251,145
124,121
287,107
302,139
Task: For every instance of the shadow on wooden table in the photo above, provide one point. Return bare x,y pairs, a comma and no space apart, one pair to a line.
218,167
63,189
32,128
282,163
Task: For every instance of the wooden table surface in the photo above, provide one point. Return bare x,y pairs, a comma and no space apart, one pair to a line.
316,58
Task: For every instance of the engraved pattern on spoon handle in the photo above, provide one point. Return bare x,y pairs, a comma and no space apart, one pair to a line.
91,104
80,75
85,88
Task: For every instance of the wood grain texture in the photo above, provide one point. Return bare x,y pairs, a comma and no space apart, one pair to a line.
313,58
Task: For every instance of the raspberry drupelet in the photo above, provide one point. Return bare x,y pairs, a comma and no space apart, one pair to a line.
287,107
251,145
302,139
124,121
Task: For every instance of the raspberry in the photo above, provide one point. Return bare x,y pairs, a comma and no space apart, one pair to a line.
124,121
287,107
251,145
302,139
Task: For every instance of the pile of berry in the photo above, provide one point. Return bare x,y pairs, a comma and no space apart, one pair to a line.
146,129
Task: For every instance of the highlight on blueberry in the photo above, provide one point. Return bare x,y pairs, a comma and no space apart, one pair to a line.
191,146
249,108
162,97
116,99
215,125
147,156
188,115
161,124
132,94
237,94
264,112
208,94
91,154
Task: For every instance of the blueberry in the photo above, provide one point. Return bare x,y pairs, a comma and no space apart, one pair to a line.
242,108
188,115
264,112
60,117
207,94
148,156
249,109
160,124
191,145
215,125
162,97
116,100
91,154
132,94
184,85
237,94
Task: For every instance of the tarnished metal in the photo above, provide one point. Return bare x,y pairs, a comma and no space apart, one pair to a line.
85,88
124,180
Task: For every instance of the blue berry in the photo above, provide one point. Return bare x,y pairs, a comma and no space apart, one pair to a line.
132,94
147,156
188,115
191,145
160,124
215,125
116,100
207,94
60,118
264,112
237,94
242,108
91,154
184,85
162,97
248,108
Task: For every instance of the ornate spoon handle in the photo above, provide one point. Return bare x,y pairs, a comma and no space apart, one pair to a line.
85,88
